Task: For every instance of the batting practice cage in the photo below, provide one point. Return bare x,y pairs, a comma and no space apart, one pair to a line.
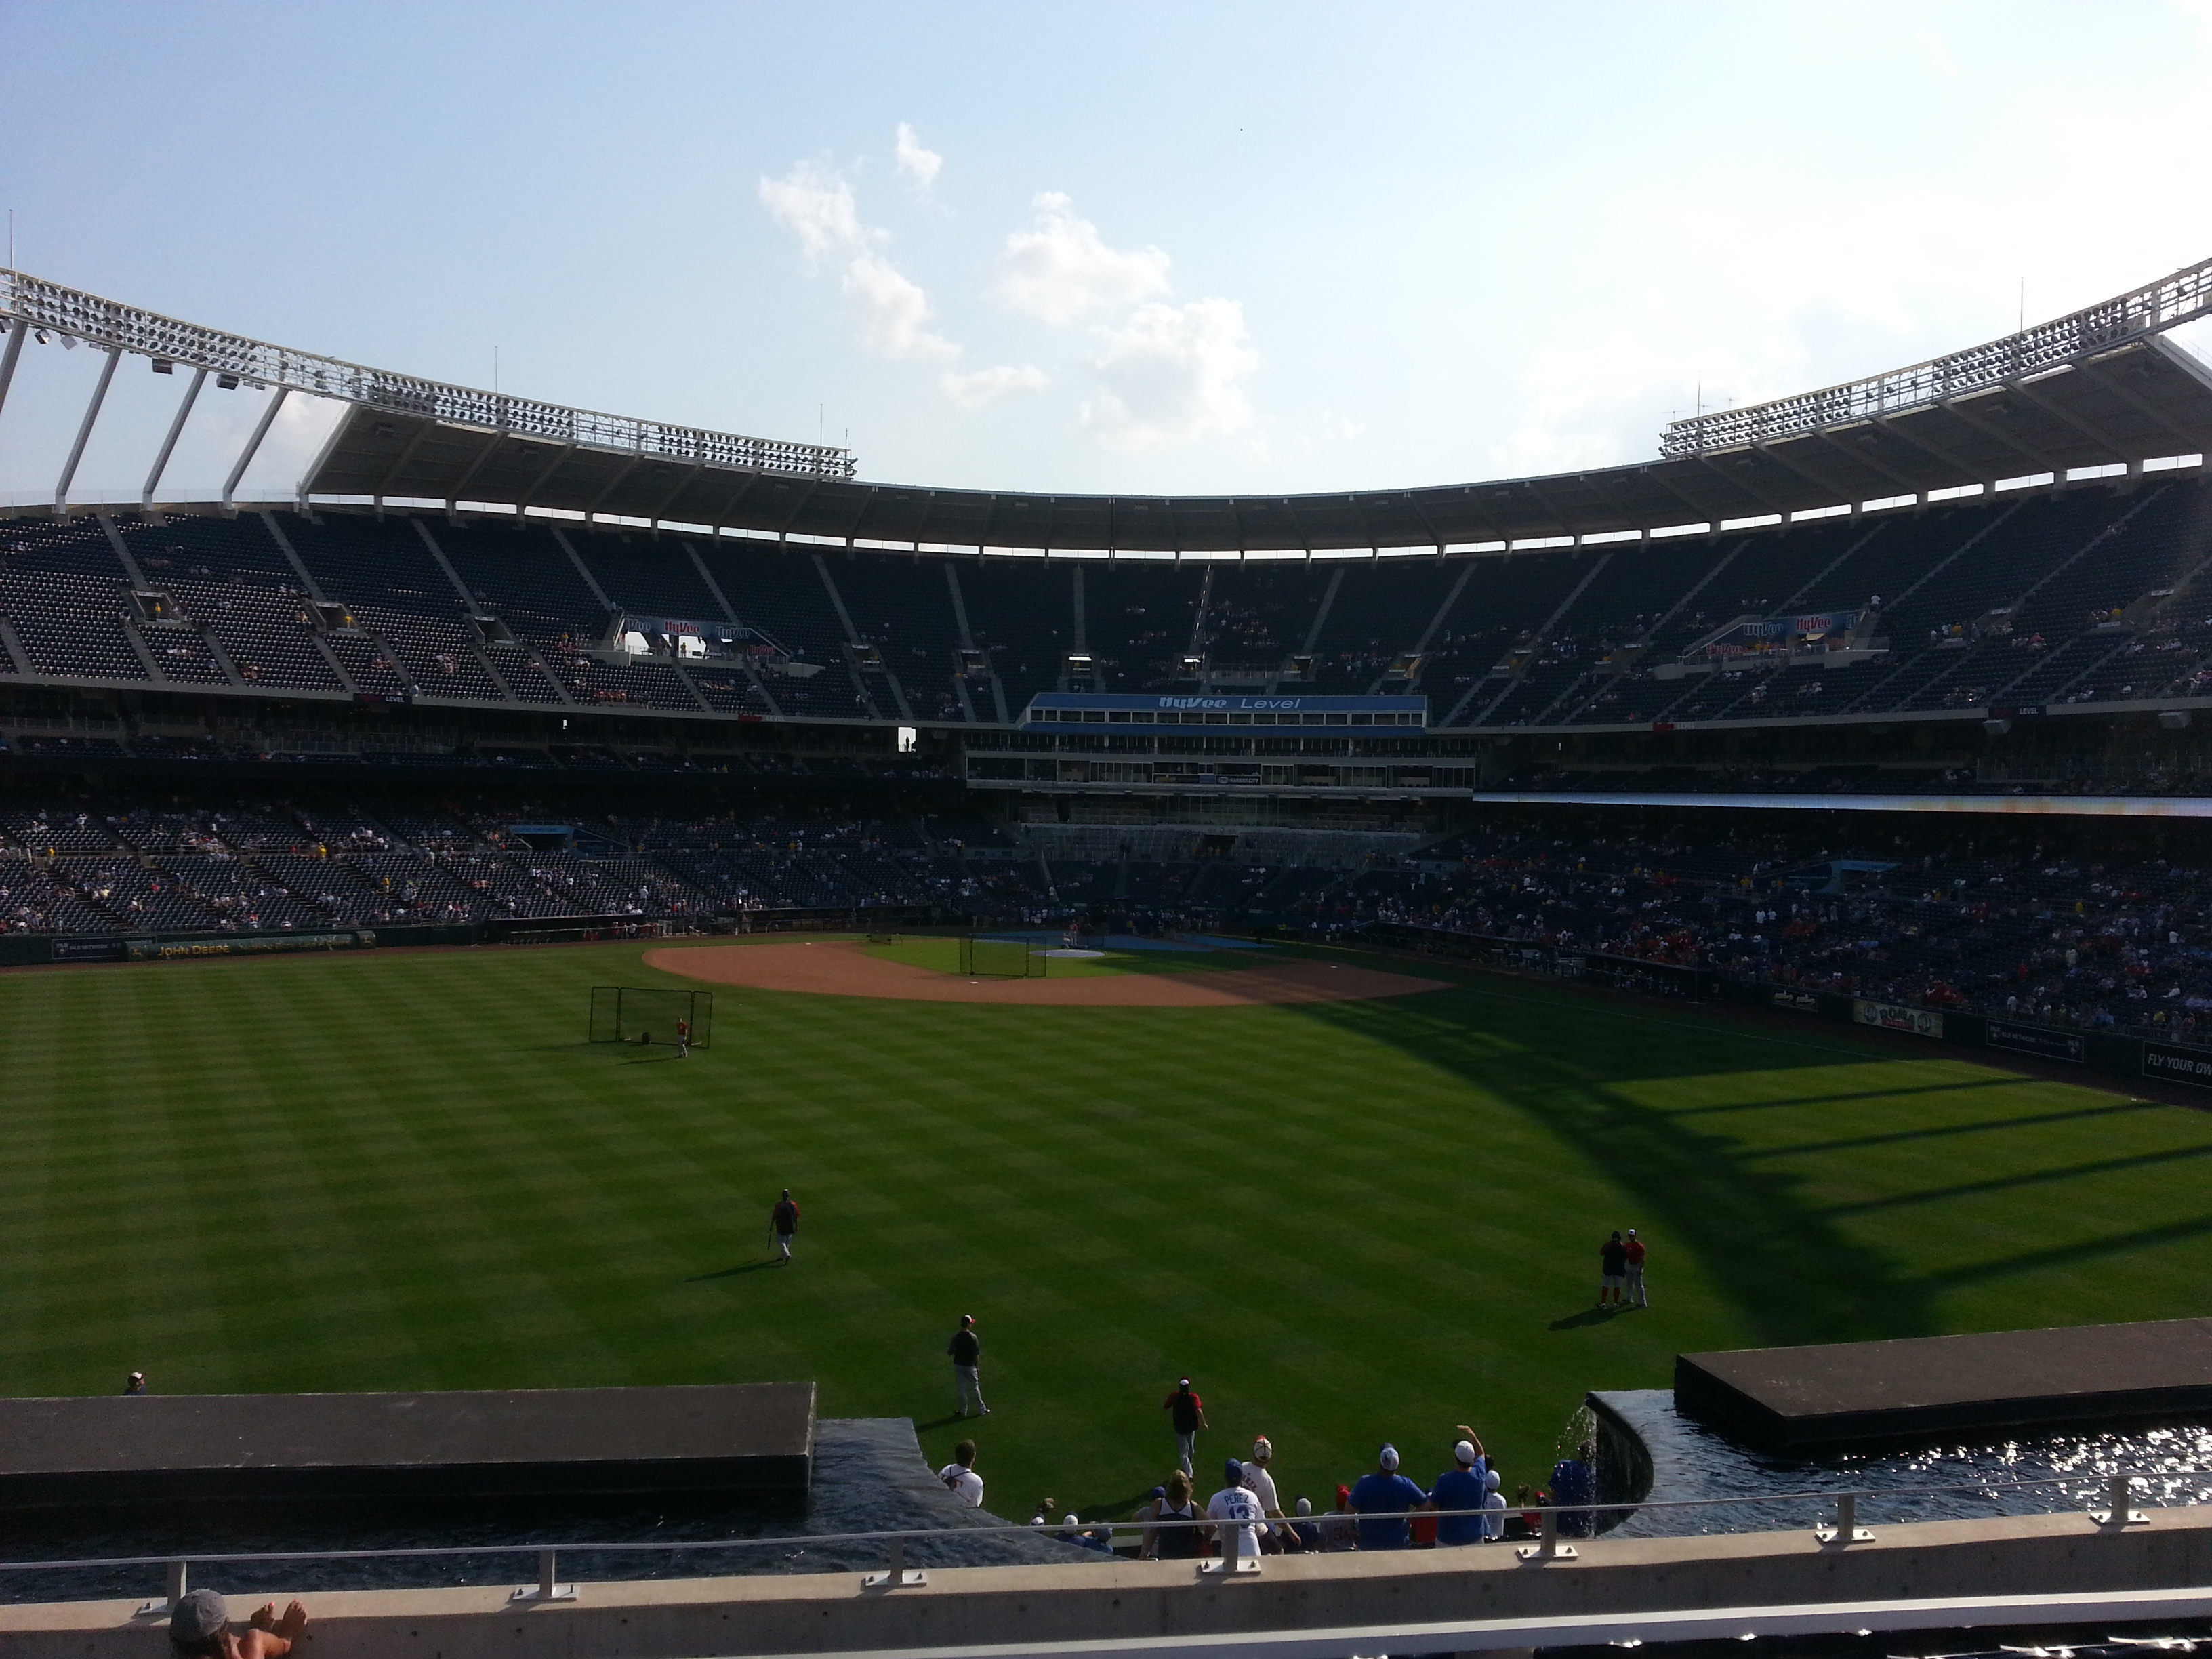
1000,958
634,1014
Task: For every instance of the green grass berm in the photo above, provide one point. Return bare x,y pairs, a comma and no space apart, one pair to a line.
1349,1223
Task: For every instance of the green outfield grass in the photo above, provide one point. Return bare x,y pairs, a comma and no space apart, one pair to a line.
1348,1222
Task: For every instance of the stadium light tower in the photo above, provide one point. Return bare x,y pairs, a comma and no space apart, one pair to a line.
29,304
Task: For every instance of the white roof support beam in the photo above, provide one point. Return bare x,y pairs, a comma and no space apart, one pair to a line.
246,455
84,432
176,431
14,349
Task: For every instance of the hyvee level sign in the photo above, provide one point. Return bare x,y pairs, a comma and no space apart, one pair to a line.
1222,709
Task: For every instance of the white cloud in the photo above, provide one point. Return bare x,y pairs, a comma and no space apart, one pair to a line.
891,313
1061,270
1939,53
922,165
1172,374
988,386
814,204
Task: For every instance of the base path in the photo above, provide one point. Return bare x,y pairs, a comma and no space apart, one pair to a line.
828,968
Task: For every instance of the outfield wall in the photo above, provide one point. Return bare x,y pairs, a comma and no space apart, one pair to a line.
2018,1572
37,949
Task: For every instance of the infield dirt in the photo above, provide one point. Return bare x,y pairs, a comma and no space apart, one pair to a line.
836,968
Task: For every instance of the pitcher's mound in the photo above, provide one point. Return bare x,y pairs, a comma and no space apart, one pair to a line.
835,969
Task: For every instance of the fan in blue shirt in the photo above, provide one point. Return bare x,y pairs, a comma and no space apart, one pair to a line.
1462,1488
1386,1493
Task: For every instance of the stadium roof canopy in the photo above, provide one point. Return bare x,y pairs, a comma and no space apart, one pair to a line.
2097,389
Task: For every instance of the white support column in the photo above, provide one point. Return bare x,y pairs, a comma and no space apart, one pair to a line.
84,433
176,431
16,331
245,456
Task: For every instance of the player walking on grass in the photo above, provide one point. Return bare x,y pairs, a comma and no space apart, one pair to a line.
1634,1285
1187,1413
783,1225
682,1038
1612,1271
965,1350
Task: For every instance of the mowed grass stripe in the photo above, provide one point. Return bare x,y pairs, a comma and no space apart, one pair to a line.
1348,1221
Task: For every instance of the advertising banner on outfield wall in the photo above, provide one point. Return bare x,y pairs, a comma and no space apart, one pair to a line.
90,950
2069,1045
148,949
1893,1017
2172,1065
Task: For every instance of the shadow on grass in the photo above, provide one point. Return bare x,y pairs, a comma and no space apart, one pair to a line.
732,1272
1587,1316
1749,1225
1561,1061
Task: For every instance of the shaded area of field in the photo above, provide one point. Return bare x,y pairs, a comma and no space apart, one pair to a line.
1350,1221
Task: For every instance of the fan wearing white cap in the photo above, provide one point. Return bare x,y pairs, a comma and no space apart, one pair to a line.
1386,1494
1459,1492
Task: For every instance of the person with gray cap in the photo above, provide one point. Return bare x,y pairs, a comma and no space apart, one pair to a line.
1386,1495
199,1624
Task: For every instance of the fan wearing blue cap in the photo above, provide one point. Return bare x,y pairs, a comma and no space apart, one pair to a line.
1238,1511
1386,1493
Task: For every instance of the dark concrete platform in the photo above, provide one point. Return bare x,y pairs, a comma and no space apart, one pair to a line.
1855,1394
218,1447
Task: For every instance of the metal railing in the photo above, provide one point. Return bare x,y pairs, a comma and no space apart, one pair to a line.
1837,1526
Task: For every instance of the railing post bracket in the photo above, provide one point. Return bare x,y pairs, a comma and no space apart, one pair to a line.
2115,1514
548,1586
901,1575
1846,1531
1548,1547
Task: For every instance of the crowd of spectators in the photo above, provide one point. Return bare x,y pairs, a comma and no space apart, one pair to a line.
1255,1512
2072,929
68,868
2087,926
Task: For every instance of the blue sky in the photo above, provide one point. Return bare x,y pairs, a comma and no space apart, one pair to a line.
1131,247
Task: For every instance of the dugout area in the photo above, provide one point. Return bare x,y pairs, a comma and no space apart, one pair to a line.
648,1015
